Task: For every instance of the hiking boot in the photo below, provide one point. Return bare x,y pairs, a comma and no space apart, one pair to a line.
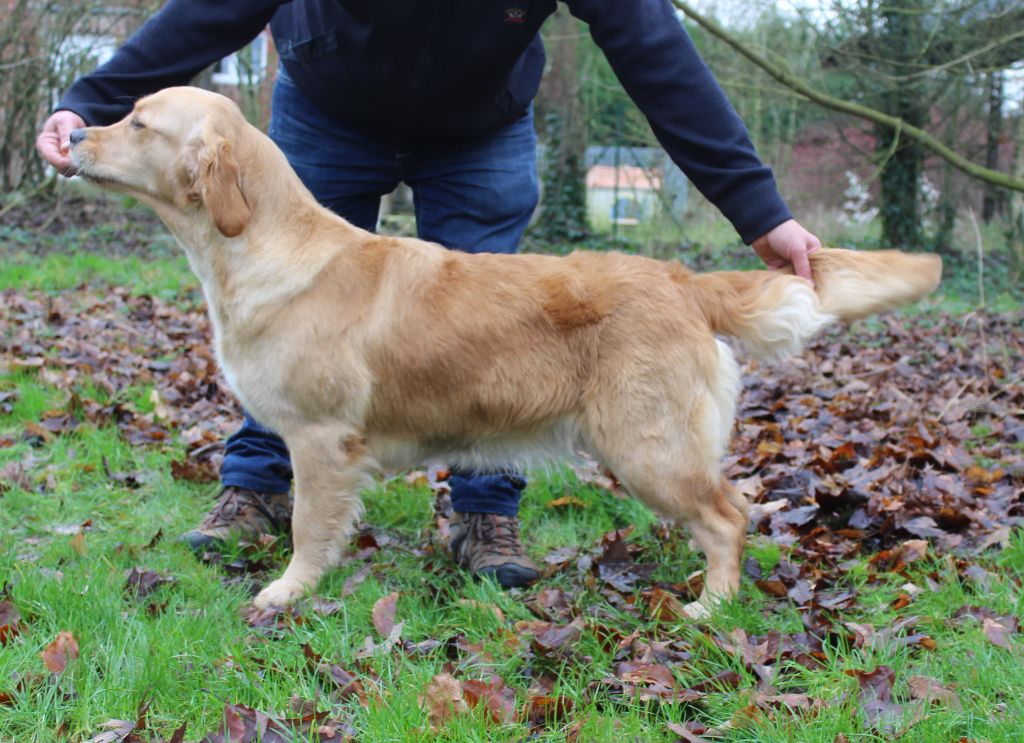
487,544
241,513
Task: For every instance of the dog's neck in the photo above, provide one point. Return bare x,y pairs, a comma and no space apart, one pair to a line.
245,276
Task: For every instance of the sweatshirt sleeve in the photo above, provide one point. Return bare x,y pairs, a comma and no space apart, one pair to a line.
660,69
172,47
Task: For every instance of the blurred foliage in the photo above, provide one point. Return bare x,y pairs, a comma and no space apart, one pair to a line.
44,46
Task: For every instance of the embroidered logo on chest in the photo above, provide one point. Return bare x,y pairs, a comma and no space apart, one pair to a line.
515,15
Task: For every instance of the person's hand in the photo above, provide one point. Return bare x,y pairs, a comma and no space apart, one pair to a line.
789,244
53,142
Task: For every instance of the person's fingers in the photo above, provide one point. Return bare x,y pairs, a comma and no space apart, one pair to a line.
787,245
48,145
764,252
802,265
813,244
66,123
767,254
54,141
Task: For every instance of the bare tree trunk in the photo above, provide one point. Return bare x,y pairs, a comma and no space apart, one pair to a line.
1015,205
993,195
564,209
902,158
942,240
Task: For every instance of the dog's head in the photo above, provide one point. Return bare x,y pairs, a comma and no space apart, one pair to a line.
177,149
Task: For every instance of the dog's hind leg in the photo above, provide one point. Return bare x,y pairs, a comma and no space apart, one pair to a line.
662,429
713,511
719,527
331,468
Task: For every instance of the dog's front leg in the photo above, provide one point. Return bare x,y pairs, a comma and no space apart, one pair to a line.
331,468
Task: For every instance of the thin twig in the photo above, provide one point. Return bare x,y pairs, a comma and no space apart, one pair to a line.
953,399
981,258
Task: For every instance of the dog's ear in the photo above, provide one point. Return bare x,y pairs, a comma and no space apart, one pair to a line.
219,187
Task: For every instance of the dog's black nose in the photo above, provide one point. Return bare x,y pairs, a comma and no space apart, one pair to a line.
77,135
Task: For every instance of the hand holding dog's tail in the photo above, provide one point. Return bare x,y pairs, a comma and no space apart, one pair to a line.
775,314
852,284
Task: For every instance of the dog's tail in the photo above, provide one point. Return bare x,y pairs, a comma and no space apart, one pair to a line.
775,314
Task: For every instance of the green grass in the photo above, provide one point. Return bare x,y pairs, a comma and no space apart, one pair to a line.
197,652
53,273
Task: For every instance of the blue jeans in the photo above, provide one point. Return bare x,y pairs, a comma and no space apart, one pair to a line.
473,195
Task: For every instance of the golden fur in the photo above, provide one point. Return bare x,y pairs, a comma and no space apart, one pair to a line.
365,351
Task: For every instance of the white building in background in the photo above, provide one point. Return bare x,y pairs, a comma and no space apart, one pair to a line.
244,67
624,195
649,184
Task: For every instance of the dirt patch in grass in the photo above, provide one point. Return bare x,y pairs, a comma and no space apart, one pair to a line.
99,223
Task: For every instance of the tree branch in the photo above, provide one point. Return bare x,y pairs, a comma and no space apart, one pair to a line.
836,104
981,38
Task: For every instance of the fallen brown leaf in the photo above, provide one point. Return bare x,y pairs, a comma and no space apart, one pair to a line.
116,731
383,614
558,638
353,581
543,710
997,634
665,607
10,621
141,582
58,653
929,689
497,699
876,698
690,732
565,501
443,699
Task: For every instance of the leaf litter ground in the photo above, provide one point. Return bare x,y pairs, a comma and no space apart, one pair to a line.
885,467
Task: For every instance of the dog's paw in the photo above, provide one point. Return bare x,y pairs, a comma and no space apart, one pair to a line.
278,594
697,610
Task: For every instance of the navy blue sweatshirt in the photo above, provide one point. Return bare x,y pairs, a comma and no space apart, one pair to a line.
414,72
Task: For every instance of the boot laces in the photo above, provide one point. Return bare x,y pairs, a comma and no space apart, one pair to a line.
500,531
232,502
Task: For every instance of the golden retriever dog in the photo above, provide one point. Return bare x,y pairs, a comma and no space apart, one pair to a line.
364,351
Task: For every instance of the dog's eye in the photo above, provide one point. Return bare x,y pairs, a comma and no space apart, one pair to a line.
136,124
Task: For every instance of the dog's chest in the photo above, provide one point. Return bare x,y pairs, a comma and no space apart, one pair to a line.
253,379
